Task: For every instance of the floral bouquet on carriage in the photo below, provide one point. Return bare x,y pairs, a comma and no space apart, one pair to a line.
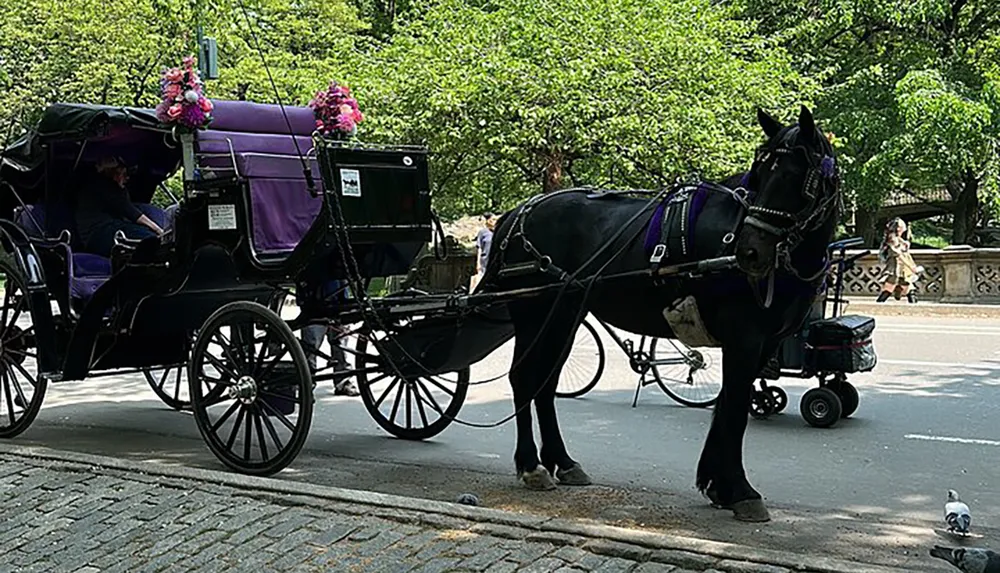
337,113
183,104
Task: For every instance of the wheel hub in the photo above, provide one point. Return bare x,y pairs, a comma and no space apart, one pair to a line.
245,390
819,408
697,360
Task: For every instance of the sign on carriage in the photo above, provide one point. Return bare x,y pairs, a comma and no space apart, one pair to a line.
350,182
221,217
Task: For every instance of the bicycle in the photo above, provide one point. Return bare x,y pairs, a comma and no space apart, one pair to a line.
693,378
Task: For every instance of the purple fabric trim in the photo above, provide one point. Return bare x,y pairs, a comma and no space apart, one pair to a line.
653,230
89,265
282,211
219,142
261,118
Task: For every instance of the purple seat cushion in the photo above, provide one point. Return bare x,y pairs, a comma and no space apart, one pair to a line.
261,118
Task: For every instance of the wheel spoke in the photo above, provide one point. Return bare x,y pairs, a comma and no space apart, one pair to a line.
18,390
420,403
6,304
266,373
433,403
385,394
236,427
438,384
223,368
260,432
274,411
247,436
223,342
225,416
177,385
273,432
7,397
409,405
395,403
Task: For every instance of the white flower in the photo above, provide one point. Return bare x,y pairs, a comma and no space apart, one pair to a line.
191,96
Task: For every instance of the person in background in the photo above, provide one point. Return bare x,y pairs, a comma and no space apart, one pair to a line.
312,338
483,241
104,208
900,269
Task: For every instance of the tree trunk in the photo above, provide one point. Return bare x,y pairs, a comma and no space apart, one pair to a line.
864,225
966,210
552,179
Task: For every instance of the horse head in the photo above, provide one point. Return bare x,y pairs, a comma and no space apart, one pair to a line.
795,189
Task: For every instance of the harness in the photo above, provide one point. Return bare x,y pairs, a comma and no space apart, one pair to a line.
677,209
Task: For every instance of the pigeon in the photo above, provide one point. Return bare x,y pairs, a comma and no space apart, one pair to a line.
468,499
956,514
971,560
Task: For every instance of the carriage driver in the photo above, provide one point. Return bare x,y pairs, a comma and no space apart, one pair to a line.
104,208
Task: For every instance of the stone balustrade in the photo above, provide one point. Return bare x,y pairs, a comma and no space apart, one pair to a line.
958,274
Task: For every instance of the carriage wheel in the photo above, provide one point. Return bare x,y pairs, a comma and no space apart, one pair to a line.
21,389
170,385
585,364
820,407
779,397
691,376
414,408
250,388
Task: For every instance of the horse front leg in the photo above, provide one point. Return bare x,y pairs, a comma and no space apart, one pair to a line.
721,474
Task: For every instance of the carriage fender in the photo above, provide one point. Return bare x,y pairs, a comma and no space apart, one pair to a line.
25,258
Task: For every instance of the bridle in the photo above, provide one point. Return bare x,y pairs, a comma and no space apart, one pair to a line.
822,191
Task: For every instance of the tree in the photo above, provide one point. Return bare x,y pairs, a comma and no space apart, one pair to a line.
519,96
908,88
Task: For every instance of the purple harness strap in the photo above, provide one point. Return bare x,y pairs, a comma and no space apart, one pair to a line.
655,225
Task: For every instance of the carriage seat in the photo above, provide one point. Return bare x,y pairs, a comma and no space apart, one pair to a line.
281,208
86,271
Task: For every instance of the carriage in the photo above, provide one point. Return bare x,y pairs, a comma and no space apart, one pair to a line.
254,223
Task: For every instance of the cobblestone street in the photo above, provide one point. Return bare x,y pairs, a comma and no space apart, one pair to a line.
65,516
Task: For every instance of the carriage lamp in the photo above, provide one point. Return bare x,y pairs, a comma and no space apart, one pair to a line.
208,59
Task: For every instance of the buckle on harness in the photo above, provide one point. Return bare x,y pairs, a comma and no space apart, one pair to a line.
659,251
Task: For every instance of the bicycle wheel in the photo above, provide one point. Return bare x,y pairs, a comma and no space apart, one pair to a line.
691,376
585,364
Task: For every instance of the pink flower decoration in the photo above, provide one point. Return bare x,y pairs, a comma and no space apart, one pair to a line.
335,110
182,100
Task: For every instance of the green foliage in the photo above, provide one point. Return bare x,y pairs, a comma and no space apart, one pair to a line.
635,94
909,86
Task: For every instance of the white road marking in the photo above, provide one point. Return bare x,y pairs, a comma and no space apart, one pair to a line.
932,364
896,329
932,328
974,441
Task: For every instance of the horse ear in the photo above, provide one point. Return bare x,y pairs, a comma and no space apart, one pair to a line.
770,125
807,125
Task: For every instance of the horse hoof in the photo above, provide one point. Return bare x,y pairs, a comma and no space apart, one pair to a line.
539,479
573,476
714,500
751,510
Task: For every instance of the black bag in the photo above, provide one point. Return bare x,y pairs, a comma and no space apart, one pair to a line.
842,344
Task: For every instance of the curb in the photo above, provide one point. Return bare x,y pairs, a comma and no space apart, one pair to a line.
956,310
605,539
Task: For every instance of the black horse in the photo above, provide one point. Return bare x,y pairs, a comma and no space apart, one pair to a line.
777,219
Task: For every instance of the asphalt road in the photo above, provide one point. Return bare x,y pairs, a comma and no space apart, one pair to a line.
870,488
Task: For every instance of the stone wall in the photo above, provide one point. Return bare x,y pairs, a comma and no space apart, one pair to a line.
955,274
